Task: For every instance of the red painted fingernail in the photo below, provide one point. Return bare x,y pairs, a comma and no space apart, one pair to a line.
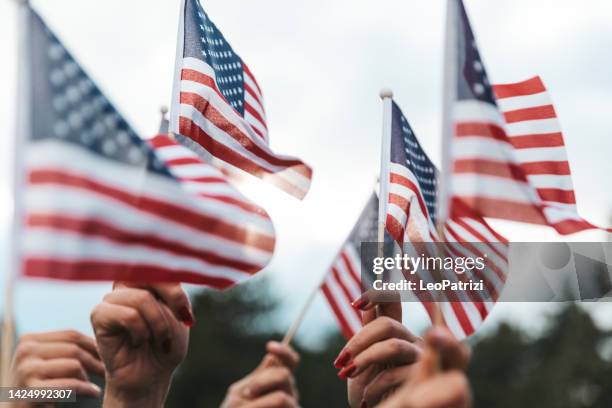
166,346
186,316
342,359
359,303
347,371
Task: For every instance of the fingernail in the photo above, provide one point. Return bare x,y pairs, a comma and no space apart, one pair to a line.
347,371
166,346
96,388
186,317
359,303
342,359
363,405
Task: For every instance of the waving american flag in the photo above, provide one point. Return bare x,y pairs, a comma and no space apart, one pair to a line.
508,155
218,109
98,202
410,219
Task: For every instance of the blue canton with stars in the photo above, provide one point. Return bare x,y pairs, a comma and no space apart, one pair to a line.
406,151
204,41
474,84
67,106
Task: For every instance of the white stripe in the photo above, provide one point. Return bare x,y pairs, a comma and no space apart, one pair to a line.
251,83
174,152
200,66
555,215
85,204
472,185
253,121
533,127
469,148
397,213
451,320
349,283
524,102
551,181
347,310
538,154
187,171
50,243
476,111
248,99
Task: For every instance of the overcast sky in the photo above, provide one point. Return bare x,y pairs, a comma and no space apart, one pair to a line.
321,65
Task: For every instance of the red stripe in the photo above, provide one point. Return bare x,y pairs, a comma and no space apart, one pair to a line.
169,211
350,268
244,205
530,87
162,141
536,113
540,140
567,227
505,209
190,129
247,88
557,195
396,178
212,114
464,321
98,228
547,168
84,270
481,238
255,114
491,168
247,71
344,325
481,129
344,289
395,229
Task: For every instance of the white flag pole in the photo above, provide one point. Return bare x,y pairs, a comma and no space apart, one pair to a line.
22,132
383,197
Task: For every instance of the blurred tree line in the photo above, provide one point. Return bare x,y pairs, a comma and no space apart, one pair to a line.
567,366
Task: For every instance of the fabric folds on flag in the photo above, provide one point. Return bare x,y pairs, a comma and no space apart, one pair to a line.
410,219
100,203
218,108
508,154
343,282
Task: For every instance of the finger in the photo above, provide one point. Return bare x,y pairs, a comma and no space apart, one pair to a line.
385,382
379,304
380,329
268,380
107,318
276,399
82,388
149,308
287,356
172,294
453,354
394,351
49,351
449,389
66,336
57,368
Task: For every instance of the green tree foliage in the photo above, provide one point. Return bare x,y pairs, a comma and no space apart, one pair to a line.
228,342
567,366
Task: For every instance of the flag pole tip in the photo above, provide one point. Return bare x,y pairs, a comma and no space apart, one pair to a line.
163,110
386,93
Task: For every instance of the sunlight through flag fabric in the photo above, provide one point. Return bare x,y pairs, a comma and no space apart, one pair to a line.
218,109
100,203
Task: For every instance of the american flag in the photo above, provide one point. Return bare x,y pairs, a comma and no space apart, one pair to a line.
217,107
100,203
342,284
508,155
410,218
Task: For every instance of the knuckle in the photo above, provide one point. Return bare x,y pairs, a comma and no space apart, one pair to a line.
387,324
24,349
72,335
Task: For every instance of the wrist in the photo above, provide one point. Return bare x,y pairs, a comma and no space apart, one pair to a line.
152,396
